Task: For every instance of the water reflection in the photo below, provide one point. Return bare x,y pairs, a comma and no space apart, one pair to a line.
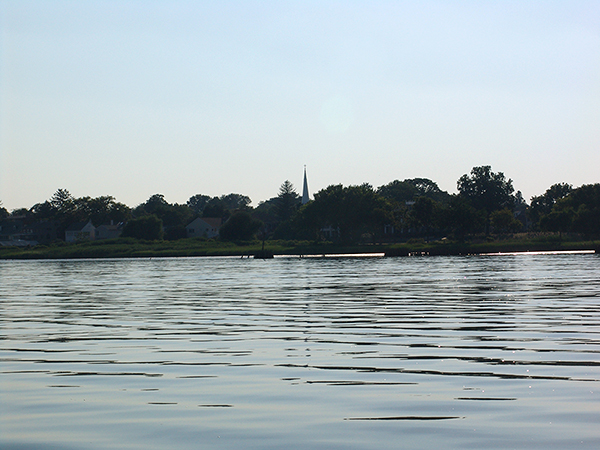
449,352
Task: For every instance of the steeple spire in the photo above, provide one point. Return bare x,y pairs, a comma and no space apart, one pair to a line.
305,197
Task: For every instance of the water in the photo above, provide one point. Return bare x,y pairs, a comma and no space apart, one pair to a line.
485,352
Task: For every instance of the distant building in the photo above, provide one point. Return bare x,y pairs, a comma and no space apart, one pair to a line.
80,231
305,196
207,227
329,232
12,229
45,231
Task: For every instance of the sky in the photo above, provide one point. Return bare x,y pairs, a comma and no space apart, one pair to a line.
134,98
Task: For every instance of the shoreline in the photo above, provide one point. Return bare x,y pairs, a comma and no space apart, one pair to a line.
131,248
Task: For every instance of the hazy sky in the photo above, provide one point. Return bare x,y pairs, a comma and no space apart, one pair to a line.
134,98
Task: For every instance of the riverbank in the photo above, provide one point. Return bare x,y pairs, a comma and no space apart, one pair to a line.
132,248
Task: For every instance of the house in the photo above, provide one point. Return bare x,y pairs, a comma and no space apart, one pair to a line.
329,232
109,231
207,227
26,231
80,231
45,231
12,229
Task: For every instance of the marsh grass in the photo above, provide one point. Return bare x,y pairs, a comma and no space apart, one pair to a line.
133,248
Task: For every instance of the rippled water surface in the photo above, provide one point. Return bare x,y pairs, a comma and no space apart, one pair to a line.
482,352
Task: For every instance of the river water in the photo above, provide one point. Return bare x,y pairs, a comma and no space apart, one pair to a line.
482,352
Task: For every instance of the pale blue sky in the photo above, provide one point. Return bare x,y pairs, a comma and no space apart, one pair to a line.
133,98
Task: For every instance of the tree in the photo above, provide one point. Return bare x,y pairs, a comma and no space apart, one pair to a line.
174,217
266,212
520,203
350,211
20,213
287,201
582,205
63,201
118,212
543,204
148,227
215,208
564,209
400,191
3,212
429,189
240,227
64,209
559,220
101,210
233,202
43,211
412,188
423,214
198,202
462,218
224,205
154,203
586,220
486,191
503,221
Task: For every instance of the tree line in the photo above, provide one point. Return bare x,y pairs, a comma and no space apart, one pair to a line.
485,203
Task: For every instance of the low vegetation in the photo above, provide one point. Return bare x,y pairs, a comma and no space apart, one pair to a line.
134,248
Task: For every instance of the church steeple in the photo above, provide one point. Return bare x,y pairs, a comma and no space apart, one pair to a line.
305,197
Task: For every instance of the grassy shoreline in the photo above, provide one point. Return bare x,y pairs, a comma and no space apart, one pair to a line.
131,248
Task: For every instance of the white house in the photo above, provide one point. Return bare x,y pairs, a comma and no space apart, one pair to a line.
80,231
207,227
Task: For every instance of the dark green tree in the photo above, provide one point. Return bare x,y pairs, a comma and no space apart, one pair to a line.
266,212
64,209
63,201
3,212
198,202
118,212
543,204
503,221
215,207
582,205
487,191
410,189
20,212
149,228
424,214
174,217
350,212
101,210
560,220
400,191
44,211
240,227
155,203
287,202
234,202
461,218
429,189
587,220
225,205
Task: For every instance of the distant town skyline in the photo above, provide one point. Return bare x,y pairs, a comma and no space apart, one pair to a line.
133,98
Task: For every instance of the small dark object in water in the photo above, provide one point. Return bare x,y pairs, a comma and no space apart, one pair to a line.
263,254
406,418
